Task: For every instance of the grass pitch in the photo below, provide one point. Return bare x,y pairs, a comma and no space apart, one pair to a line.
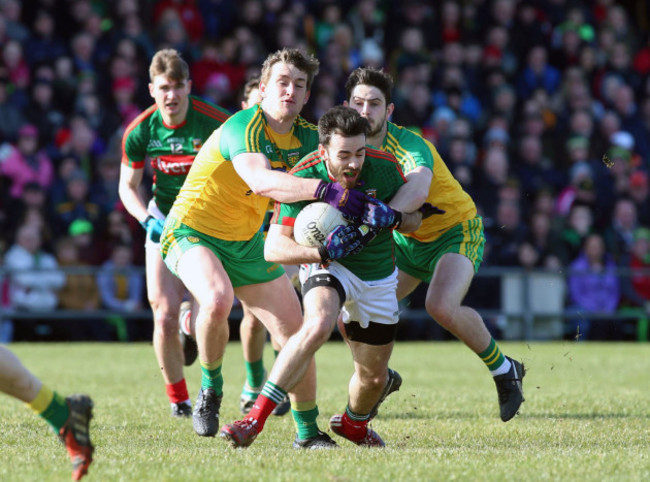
586,417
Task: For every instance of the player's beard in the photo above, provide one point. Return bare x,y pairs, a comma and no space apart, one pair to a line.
346,182
377,127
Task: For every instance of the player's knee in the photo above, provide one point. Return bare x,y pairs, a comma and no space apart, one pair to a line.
165,319
315,332
440,310
215,310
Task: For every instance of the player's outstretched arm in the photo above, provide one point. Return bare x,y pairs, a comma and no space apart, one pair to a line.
255,170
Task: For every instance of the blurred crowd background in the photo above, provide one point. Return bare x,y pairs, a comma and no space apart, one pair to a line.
540,108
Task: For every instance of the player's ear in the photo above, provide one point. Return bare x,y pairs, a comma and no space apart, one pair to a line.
322,152
389,109
346,103
189,85
307,97
151,89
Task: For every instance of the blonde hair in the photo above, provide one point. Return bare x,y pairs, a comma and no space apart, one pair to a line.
169,63
304,62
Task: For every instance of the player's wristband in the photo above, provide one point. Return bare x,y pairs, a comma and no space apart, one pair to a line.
145,223
324,254
398,219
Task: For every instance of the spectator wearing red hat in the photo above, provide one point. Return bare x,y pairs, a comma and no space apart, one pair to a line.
25,162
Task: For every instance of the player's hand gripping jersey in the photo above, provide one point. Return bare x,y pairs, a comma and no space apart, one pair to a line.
171,150
445,193
215,200
381,176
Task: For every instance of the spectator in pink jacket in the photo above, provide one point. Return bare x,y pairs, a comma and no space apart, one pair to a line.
25,162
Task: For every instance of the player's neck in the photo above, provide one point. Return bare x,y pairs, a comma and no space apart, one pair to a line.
177,119
377,140
281,126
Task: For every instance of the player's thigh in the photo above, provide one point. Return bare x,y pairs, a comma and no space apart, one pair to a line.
406,284
162,286
205,277
322,308
195,258
249,320
275,303
451,279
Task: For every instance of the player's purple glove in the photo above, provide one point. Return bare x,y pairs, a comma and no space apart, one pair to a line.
343,241
153,227
379,215
348,201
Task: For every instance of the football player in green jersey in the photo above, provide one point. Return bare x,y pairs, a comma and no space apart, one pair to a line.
168,135
212,237
339,277
447,249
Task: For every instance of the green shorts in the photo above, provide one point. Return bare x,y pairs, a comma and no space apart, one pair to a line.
243,260
419,259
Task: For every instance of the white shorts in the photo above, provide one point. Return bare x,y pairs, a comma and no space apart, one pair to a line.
365,301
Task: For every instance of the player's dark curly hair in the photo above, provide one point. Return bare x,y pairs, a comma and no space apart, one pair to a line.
341,120
370,76
304,62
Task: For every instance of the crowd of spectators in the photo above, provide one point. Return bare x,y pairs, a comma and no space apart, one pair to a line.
541,109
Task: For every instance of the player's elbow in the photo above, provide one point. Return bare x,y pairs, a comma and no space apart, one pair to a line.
262,183
272,246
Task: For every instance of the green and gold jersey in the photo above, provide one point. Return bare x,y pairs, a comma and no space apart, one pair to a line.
215,200
170,149
412,150
381,176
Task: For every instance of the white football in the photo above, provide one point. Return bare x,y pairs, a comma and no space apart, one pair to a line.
315,222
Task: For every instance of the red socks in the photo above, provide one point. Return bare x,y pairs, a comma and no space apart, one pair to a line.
261,410
177,392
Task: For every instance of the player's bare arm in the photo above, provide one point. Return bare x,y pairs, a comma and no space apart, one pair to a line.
130,180
281,247
410,222
414,193
256,171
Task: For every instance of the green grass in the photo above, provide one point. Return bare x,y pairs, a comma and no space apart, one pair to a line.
586,417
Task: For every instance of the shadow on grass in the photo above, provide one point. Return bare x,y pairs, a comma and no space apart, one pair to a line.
426,415
584,416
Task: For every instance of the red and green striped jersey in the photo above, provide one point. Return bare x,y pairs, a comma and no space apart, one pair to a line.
170,149
381,176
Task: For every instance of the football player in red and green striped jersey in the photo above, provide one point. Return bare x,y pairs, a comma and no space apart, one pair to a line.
168,135
357,280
